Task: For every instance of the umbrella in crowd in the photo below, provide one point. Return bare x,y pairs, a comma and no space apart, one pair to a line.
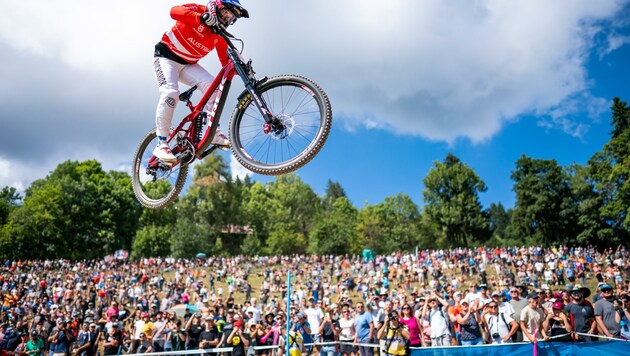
201,255
180,309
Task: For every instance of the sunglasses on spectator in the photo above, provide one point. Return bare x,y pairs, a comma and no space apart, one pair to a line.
494,306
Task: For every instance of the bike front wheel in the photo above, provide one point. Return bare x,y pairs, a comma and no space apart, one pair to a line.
302,118
155,184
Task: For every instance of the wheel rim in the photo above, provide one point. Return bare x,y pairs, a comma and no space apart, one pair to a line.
299,115
155,181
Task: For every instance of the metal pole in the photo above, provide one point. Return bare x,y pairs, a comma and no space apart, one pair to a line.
286,339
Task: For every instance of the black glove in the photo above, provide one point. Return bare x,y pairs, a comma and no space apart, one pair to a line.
209,19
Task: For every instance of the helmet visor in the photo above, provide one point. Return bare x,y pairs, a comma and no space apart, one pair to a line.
229,14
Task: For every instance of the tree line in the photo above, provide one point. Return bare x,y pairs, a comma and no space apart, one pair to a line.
81,211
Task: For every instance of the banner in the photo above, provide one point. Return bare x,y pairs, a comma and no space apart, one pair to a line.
608,348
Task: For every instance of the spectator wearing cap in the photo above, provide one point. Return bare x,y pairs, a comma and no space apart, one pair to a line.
301,325
518,303
453,311
557,326
532,317
109,324
436,313
87,341
581,312
605,313
21,346
238,339
209,337
193,331
35,345
470,323
257,333
504,307
227,327
598,292
60,338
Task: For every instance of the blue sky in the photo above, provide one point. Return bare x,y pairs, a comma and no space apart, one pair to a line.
486,80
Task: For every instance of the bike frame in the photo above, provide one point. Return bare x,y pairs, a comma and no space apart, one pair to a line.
221,85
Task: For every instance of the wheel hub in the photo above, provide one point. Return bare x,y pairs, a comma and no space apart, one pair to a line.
282,127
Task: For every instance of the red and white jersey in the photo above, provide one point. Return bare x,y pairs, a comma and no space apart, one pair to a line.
191,40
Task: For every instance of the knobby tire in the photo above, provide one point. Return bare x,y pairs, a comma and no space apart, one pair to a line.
296,100
141,188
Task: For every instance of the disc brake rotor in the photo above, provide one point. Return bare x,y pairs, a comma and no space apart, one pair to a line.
288,125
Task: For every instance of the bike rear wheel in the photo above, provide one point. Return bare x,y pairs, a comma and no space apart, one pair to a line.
304,116
155,184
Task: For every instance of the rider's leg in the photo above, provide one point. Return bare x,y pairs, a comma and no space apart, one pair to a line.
195,74
167,76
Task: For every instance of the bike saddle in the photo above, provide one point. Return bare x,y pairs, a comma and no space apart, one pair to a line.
185,96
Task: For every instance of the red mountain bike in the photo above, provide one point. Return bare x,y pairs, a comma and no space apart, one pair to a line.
279,124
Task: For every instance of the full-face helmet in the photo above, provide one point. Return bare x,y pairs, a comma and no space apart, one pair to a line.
227,11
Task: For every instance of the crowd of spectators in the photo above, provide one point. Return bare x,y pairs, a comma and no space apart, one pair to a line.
339,305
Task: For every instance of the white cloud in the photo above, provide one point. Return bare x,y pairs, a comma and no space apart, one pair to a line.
439,69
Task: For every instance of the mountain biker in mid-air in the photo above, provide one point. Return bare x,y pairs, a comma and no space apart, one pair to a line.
176,57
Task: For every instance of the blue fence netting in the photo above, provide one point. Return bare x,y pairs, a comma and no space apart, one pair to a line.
609,348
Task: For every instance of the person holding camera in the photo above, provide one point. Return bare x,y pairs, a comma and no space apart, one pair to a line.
328,330
605,313
60,339
501,327
193,331
395,334
623,315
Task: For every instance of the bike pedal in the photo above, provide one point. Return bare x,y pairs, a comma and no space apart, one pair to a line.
223,147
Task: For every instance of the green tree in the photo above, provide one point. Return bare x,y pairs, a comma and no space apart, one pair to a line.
257,204
609,171
499,220
77,211
292,210
335,232
392,225
588,205
209,216
9,200
545,210
334,190
451,197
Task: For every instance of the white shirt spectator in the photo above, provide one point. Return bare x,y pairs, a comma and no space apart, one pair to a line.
314,317
497,324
